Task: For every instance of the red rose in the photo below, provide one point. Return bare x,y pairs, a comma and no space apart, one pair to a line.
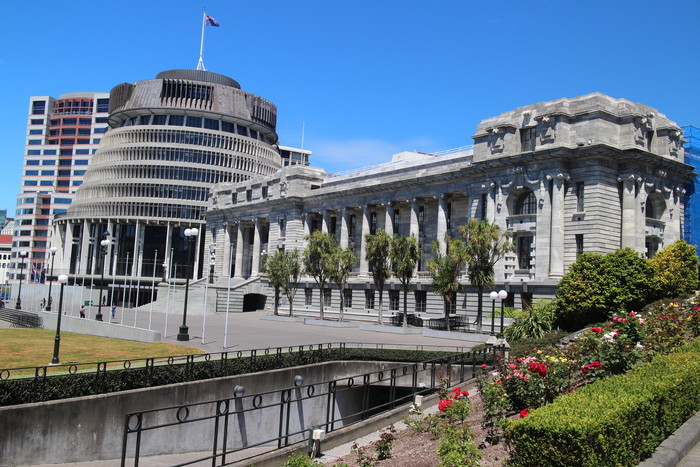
597,330
444,404
523,413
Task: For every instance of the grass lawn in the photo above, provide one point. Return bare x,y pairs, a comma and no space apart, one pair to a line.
34,347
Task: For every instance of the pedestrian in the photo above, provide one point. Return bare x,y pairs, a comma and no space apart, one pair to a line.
114,310
50,301
82,311
43,304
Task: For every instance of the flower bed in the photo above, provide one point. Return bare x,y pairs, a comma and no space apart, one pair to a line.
616,421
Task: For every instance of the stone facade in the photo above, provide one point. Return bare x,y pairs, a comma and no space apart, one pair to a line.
589,174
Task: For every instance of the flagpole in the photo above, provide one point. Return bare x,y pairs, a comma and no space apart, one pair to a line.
200,64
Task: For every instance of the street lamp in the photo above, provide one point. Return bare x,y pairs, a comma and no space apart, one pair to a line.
18,303
494,296
53,251
183,335
62,279
502,294
106,242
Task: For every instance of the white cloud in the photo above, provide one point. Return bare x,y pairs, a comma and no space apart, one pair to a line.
337,156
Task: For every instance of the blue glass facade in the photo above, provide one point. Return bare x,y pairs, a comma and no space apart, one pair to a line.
692,210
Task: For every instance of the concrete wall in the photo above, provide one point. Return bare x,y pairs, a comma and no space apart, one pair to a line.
91,428
98,328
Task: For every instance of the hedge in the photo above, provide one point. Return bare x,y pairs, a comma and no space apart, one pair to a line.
618,421
38,389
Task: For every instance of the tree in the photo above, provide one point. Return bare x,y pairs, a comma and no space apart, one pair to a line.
486,244
675,270
284,271
597,286
404,255
343,260
445,269
377,256
318,259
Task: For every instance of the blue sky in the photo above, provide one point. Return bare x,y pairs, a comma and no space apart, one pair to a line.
367,78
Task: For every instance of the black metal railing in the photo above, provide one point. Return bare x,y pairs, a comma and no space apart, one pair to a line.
214,420
42,383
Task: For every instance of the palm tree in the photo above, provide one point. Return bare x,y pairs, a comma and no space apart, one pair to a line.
404,254
445,269
318,256
344,260
486,244
377,256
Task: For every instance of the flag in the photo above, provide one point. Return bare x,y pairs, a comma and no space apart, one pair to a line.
211,21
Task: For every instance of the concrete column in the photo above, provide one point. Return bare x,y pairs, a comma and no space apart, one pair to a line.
138,241
225,254
389,219
556,241
81,267
629,220
306,219
166,253
491,202
542,232
238,268
442,223
273,235
364,265
325,224
67,247
255,268
345,228
413,229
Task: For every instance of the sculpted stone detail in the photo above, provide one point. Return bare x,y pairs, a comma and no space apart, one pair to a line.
675,144
642,126
548,129
496,139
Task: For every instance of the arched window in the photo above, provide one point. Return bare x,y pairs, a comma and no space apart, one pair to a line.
655,206
526,204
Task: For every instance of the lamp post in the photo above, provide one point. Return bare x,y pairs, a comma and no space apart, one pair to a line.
183,335
494,296
18,302
62,279
106,242
502,294
53,251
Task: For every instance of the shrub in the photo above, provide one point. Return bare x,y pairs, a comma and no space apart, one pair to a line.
616,421
597,286
522,347
675,270
534,324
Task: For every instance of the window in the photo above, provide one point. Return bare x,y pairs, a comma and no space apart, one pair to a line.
482,206
79,172
369,299
96,140
47,183
48,162
652,246
264,192
176,120
308,296
333,228
159,119
32,162
36,132
351,226
228,127
67,141
77,183
38,107
84,131
194,121
37,121
527,139
526,204
283,227
102,105
31,172
30,183
101,120
82,152
100,130
64,173
249,195
448,215
421,219
64,162
49,152
524,253
397,224
326,297
372,223
61,183
70,121
579,196
34,142
85,121
68,131
421,300
394,300
579,245
81,162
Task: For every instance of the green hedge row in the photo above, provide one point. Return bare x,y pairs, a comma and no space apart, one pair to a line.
28,390
618,421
